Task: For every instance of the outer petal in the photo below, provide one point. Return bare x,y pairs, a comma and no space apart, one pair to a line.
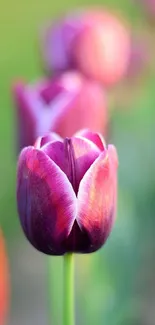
96,138
56,152
46,201
96,201
85,153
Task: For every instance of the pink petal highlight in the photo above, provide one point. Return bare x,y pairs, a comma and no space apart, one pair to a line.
85,153
96,200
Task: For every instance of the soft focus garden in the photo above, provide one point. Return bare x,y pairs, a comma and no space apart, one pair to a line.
77,189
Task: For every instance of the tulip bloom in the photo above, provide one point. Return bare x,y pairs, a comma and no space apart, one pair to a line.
3,281
63,105
95,42
66,192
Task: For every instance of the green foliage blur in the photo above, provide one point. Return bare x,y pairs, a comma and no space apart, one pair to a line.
115,286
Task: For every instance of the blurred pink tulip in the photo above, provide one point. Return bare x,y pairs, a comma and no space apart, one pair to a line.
95,42
62,105
105,42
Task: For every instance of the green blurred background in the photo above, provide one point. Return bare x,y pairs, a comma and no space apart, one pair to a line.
115,286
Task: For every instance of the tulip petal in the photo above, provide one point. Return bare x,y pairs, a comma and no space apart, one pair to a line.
81,151
96,201
96,138
46,201
50,137
85,153
56,151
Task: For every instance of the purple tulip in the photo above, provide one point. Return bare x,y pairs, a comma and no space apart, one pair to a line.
66,192
62,105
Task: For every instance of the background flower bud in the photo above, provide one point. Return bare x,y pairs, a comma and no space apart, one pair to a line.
63,105
57,40
105,43
95,42
66,193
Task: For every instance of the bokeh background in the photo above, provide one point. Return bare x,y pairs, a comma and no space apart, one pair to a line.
115,286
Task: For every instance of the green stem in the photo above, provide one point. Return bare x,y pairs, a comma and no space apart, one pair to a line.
68,289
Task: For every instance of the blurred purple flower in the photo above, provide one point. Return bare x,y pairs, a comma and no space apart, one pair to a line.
62,105
56,42
66,192
95,42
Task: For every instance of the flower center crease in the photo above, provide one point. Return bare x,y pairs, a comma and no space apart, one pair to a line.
71,164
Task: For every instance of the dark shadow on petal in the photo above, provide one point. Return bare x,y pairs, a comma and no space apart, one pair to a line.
78,240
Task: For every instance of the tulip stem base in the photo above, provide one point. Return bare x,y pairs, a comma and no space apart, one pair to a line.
68,302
